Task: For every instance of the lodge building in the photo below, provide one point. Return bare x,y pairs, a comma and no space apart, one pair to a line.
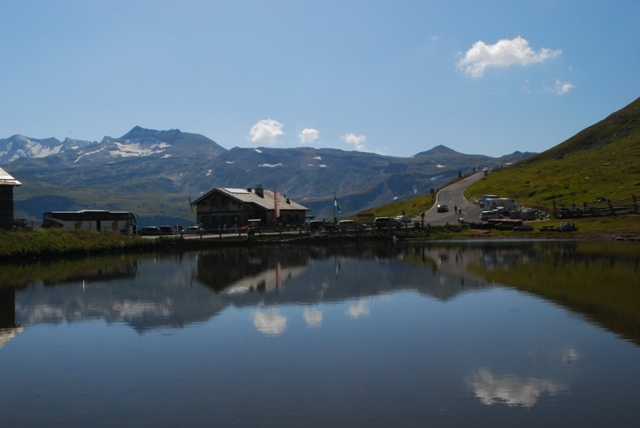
235,207
7,183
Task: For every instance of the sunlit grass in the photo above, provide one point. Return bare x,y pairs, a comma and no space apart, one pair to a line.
46,242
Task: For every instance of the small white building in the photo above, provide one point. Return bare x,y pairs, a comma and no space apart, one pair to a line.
7,183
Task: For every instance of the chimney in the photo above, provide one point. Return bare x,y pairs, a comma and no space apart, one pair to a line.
260,191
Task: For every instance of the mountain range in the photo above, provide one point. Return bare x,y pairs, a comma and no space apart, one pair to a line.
154,173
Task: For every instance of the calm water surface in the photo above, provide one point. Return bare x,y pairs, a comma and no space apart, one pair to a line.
452,334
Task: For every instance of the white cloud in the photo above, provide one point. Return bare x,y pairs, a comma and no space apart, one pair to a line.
270,322
356,140
503,54
313,317
266,131
309,135
560,88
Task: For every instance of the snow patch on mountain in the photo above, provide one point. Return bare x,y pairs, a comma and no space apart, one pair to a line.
88,154
40,151
129,149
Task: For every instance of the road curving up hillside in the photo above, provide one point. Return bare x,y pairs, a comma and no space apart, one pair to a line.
453,196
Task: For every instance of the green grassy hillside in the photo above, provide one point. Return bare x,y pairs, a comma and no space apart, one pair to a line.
602,161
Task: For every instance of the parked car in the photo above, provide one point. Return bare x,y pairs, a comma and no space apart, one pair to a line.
386,222
403,219
501,210
192,230
166,230
149,231
443,208
317,225
486,215
345,225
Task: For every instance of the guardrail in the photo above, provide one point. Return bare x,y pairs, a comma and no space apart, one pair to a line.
600,208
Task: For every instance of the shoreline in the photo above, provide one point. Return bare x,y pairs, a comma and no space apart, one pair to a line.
38,245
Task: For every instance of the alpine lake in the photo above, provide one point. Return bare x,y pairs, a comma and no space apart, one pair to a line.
520,333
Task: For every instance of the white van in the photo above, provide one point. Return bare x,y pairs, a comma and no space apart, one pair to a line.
485,197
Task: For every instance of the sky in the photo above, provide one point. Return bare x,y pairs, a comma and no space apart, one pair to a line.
389,77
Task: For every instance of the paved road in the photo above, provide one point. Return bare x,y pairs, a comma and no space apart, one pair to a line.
453,196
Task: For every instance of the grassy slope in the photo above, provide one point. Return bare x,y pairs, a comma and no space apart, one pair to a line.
47,242
602,161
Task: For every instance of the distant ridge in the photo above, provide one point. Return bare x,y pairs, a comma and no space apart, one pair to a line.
153,173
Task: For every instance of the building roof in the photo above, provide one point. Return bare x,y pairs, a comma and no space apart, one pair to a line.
248,196
7,180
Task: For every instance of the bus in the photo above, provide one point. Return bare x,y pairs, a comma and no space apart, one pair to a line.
103,221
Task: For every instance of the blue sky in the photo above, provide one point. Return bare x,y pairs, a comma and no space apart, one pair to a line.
390,77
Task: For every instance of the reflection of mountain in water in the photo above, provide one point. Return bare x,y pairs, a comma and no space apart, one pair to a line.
162,295
600,280
173,291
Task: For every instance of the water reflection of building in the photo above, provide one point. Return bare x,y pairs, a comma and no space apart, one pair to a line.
233,271
8,327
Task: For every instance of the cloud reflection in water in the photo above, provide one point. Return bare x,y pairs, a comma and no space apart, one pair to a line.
269,322
511,390
313,317
359,310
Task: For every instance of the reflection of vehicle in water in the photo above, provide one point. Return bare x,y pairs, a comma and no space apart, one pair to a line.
102,221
